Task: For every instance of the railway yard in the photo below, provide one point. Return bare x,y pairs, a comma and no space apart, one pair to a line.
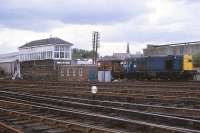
99,66
126,107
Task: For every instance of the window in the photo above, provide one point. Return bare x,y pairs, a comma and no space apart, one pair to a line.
62,73
81,72
20,56
66,48
62,48
62,55
30,56
56,54
68,72
56,48
35,56
49,55
25,57
43,55
63,51
66,55
74,72
40,56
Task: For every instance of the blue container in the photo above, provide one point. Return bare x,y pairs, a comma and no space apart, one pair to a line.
92,73
177,64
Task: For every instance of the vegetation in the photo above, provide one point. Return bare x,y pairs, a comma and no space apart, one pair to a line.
81,53
196,60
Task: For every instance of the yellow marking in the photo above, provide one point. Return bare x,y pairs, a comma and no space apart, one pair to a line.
187,62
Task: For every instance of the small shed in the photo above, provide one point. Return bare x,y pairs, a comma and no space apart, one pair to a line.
114,65
76,72
9,65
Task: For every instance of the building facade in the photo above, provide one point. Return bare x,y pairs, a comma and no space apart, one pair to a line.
9,64
190,48
44,49
38,57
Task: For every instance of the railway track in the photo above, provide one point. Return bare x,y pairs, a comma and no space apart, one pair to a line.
175,101
127,91
113,84
182,112
23,110
70,107
8,129
181,123
35,119
121,86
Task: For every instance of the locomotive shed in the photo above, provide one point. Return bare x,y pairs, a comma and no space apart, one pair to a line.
139,106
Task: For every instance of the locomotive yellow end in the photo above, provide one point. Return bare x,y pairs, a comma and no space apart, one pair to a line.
187,63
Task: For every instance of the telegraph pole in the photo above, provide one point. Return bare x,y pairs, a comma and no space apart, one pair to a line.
95,46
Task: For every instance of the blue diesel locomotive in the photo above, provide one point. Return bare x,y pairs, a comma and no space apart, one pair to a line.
171,67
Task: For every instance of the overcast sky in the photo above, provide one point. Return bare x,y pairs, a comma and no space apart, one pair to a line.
138,22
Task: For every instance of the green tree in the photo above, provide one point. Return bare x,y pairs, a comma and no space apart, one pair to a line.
81,53
196,60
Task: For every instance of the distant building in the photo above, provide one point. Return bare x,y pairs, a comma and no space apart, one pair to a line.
54,49
190,48
50,48
123,56
82,62
9,57
9,63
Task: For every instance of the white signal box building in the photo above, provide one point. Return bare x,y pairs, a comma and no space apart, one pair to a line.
50,48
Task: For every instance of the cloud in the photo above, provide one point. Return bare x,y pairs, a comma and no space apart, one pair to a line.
138,22
35,13
11,39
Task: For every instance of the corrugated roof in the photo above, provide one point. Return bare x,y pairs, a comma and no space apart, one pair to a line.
177,44
53,40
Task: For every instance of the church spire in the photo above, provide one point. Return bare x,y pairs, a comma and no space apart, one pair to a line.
127,50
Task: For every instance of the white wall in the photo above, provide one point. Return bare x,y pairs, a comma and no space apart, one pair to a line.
42,52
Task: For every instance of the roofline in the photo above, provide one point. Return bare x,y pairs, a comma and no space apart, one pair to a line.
10,53
24,47
177,44
131,58
110,60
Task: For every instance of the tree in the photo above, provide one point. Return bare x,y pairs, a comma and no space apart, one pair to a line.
81,53
196,60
